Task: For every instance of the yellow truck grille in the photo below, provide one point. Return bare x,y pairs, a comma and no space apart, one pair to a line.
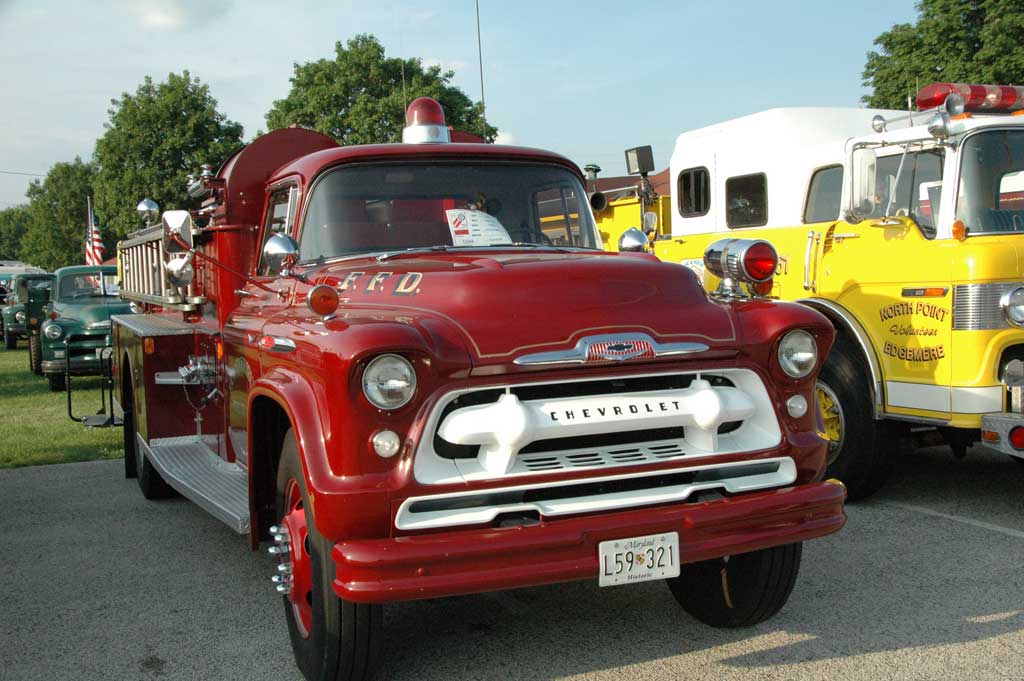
976,306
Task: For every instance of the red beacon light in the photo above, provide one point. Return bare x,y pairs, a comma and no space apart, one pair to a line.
751,261
976,98
424,123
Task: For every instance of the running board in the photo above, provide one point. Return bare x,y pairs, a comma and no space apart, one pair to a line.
188,465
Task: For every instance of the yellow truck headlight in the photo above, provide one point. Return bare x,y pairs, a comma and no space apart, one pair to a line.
1012,304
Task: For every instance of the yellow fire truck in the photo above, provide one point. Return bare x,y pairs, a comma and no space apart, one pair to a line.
907,231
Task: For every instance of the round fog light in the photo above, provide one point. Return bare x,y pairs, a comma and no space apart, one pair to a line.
796,406
386,443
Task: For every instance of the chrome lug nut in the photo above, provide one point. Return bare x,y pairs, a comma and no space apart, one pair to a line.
279,549
285,568
284,589
281,579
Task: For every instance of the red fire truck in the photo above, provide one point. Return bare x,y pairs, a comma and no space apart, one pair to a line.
378,360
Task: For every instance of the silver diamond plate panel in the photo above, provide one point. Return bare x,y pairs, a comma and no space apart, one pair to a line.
154,325
190,467
976,306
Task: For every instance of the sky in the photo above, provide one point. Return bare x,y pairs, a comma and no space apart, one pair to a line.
587,80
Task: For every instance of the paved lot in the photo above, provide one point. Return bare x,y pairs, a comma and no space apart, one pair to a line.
925,582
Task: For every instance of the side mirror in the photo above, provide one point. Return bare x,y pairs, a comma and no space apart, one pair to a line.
650,222
280,254
148,211
863,196
177,223
633,241
598,202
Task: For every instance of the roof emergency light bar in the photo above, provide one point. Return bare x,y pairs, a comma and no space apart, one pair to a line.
976,98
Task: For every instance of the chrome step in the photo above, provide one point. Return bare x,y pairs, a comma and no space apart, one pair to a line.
189,466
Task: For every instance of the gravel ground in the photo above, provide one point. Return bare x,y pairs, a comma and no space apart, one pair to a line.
925,582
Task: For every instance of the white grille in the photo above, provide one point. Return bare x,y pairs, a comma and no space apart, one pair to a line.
757,429
597,458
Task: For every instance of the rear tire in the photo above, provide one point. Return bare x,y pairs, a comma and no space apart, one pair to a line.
57,382
35,355
332,639
128,425
151,483
862,457
741,590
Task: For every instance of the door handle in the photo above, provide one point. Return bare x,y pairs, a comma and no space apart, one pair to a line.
807,260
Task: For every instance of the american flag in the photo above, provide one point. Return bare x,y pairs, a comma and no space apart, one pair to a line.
94,249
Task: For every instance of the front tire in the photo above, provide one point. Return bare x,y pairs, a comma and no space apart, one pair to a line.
10,340
35,355
57,382
861,448
741,590
332,639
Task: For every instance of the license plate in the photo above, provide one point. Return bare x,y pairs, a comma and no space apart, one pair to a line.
638,559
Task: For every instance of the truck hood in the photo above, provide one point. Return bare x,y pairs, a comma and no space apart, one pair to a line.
90,313
509,303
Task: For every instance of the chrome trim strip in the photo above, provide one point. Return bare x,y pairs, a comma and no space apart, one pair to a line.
634,346
924,420
280,344
853,325
784,473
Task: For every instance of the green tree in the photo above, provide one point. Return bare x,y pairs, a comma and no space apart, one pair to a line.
358,97
57,210
154,139
959,41
13,224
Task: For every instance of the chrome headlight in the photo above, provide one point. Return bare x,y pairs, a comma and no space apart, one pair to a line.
798,353
389,382
1012,304
135,308
53,331
19,316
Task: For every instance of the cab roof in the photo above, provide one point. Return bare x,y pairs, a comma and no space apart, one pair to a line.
85,269
310,165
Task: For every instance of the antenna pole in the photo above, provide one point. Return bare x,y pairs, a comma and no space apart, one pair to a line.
480,58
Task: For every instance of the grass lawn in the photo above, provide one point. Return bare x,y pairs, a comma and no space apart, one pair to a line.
34,423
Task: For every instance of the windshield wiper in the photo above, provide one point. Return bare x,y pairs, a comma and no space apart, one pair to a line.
439,248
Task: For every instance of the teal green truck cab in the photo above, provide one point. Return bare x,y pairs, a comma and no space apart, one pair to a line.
13,314
78,329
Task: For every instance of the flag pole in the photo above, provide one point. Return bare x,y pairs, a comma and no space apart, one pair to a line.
88,228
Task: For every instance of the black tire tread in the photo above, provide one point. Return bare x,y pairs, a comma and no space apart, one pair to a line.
760,585
869,448
56,382
10,340
351,652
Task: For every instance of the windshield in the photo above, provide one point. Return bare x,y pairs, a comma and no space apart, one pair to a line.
88,286
21,293
991,196
387,207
